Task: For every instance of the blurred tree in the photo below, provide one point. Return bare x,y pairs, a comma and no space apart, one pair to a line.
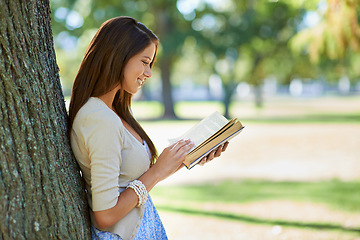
246,38
338,31
41,191
239,40
161,16
172,30
333,43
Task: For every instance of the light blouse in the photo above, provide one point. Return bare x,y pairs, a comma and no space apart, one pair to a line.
110,157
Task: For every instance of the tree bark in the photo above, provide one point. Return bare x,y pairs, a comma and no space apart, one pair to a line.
163,29
165,67
41,190
229,92
258,96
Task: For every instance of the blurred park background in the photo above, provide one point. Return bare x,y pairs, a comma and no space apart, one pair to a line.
289,70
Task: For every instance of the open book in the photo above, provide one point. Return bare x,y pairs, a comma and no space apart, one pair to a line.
207,135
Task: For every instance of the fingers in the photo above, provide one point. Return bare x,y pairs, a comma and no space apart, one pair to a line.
208,158
213,154
172,145
218,151
225,146
185,148
221,149
176,145
171,158
182,145
202,161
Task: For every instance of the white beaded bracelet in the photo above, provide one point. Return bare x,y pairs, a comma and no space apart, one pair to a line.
140,190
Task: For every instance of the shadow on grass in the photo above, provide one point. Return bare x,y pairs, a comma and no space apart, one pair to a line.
254,220
334,193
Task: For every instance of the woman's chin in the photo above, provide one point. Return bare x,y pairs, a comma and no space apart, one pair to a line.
132,92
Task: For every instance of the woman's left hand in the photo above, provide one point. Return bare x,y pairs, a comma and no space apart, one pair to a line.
213,154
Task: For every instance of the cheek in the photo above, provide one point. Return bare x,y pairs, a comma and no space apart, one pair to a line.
139,69
133,71
128,71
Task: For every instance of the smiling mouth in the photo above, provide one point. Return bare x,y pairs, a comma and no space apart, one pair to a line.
141,82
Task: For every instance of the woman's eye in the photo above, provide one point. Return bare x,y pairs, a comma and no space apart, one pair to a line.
145,63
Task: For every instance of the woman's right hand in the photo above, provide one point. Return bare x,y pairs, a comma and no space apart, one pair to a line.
172,157
168,162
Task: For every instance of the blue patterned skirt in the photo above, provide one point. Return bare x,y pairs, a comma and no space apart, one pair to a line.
151,227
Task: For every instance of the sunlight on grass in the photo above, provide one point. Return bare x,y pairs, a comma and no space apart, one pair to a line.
197,110
288,110
336,194
329,207
147,109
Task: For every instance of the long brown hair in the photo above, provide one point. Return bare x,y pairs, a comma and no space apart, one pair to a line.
102,69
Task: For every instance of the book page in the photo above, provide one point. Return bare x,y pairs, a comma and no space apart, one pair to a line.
203,129
217,133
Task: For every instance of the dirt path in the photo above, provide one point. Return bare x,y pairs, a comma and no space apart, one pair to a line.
301,152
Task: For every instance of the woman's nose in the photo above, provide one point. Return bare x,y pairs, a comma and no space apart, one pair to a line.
147,72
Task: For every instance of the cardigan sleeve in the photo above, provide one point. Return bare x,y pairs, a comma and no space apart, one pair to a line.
102,135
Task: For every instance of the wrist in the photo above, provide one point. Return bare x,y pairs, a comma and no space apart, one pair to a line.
150,178
155,172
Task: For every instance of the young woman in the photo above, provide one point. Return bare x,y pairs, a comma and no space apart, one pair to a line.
118,160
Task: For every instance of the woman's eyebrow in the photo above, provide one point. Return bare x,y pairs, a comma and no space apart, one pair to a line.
147,57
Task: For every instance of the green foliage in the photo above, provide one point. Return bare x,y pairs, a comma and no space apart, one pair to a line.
150,110
335,37
219,29
240,41
334,193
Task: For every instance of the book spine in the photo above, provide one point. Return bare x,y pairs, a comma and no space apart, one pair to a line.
196,161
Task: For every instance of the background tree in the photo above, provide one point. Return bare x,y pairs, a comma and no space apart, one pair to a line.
249,40
161,16
333,44
337,31
239,41
41,191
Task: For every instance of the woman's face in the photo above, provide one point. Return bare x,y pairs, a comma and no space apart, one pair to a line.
137,70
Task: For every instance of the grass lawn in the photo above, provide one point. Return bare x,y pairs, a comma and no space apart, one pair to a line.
202,201
339,195
321,209
277,110
295,134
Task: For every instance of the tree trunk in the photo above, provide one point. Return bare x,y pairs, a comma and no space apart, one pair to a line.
165,67
257,82
227,101
41,191
258,96
229,92
164,26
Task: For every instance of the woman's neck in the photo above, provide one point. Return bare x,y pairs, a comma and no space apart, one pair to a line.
108,98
